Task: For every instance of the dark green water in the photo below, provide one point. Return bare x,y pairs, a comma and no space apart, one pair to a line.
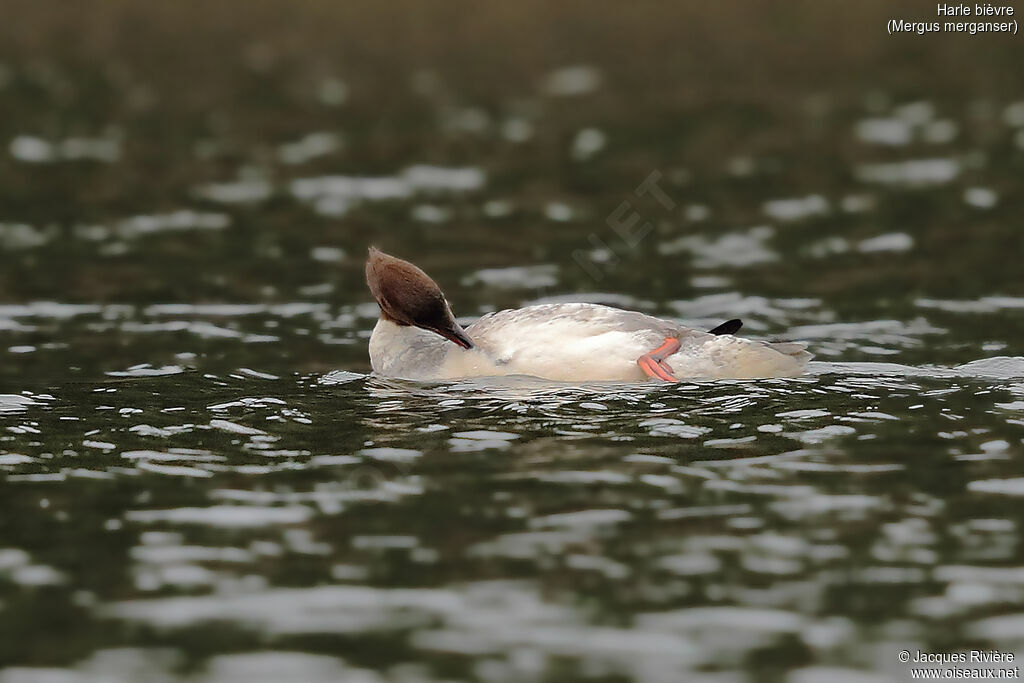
199,481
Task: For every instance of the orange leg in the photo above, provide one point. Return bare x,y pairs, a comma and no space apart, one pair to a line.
653,364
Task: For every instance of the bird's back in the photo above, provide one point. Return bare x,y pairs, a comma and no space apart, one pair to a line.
580,342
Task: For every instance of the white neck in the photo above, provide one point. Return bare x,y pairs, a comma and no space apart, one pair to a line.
405,351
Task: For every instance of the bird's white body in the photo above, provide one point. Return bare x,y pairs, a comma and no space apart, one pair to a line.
575,342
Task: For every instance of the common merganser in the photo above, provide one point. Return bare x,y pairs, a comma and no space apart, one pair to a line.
567,342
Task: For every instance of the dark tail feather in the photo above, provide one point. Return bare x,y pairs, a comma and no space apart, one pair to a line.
728,327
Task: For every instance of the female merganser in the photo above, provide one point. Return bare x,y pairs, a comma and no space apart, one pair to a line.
569,342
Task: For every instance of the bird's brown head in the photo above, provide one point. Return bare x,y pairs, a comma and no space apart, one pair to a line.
407,296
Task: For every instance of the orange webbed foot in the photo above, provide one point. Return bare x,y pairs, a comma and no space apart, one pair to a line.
653,363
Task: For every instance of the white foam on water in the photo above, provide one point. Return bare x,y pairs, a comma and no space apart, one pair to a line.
980,574
711,309
835,674
1013,115
310,146
916,172
858,203
575,477
893,241
1000,629
269,666
244,191
940,132
147,370
54,309
587,143
383,542
804,414
690,564
11,558
582,518
571,81
333,92
892,132
514,277
729,618
986,304
430,213
335,195
486,435
15,236
174,554
337,377
560,212
816,504
1003,487
387,454
173,470
184,219
528,544
734,249
887,332
981,197
798,208
669,426
15,403
426,178
817,436
517,129
231,516
916,113
36,150
235,428
36,575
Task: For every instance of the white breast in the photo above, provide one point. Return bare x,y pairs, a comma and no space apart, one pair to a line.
406,352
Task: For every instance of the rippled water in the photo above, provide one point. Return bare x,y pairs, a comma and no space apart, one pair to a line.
241,524
200,481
